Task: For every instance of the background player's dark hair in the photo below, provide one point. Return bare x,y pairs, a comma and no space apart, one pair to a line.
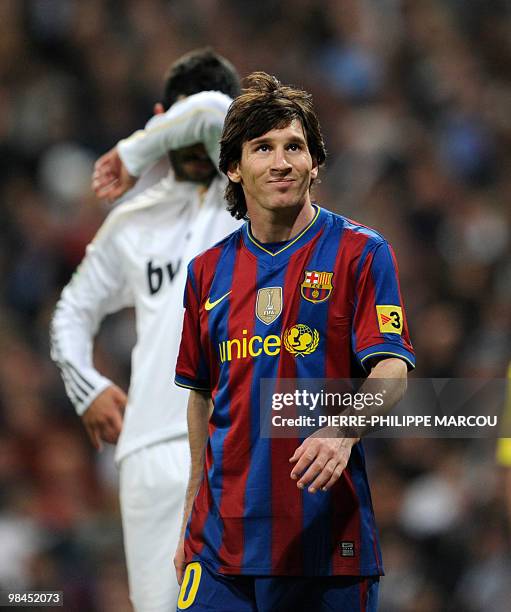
200,70
265,104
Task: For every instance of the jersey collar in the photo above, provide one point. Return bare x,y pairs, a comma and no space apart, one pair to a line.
291,246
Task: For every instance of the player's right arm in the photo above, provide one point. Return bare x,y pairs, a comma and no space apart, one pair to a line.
192,373
96,289
197,118
199,410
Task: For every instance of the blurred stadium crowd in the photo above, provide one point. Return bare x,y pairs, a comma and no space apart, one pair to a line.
414,97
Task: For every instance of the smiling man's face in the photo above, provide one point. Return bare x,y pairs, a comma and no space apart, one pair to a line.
276,169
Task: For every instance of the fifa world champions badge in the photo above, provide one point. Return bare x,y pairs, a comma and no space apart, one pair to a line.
316,286
269,304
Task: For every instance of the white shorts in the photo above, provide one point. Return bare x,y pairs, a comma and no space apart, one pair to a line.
152,490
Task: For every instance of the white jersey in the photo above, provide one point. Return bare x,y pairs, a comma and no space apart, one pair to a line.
139,258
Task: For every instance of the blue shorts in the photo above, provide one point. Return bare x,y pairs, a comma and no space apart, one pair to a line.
202,589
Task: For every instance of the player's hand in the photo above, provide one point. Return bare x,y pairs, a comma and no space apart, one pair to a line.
111,179
179,561
319,461
103,418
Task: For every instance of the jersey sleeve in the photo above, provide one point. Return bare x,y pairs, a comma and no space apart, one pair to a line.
96,289
192,371
197,118
380,329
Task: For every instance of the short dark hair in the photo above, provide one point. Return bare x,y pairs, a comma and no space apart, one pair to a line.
264,104
200,70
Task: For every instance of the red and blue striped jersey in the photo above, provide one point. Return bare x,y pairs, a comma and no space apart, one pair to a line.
320,306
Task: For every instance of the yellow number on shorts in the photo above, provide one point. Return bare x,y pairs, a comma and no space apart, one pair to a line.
196,569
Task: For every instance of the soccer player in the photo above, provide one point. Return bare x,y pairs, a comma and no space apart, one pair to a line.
138,258
281,524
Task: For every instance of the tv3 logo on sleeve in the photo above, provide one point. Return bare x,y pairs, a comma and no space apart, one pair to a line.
156,274
390,319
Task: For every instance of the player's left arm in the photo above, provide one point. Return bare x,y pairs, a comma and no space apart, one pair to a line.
321,458
381,345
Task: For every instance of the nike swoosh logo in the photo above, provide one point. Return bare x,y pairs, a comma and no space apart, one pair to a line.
210,305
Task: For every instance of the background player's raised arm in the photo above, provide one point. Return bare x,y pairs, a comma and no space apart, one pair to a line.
197,118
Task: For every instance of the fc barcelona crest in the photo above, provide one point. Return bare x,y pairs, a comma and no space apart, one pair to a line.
316,286
269,304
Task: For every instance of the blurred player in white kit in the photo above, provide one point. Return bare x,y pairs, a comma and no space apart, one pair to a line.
139,258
